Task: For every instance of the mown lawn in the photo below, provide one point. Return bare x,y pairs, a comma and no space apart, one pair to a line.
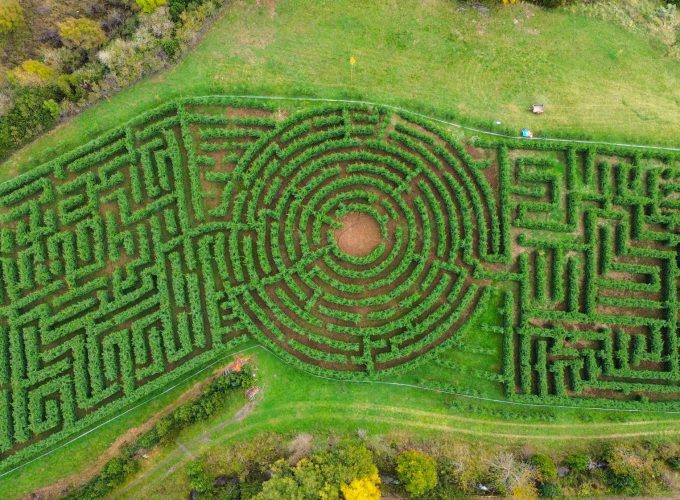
440,56
292,402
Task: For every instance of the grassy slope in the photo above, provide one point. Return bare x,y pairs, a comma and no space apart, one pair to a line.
595,78
71,457
293,402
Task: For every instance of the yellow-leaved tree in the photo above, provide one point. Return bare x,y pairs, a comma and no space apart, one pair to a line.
363,488
82,33
11,16
149,6
32,73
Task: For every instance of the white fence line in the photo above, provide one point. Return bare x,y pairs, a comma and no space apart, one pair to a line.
444,122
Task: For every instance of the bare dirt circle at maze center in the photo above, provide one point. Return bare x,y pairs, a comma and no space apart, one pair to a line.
359,234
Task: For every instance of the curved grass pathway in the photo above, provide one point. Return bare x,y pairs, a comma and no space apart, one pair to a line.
291,402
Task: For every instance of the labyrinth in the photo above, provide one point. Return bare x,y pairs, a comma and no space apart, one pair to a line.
353,241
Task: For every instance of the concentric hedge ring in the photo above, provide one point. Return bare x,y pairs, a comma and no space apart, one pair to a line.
308,298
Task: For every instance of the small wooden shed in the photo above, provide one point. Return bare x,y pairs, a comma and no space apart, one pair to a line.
537,109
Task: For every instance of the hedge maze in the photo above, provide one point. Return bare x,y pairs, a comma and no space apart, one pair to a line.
350,240
595,262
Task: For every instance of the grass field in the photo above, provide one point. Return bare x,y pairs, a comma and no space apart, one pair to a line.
292,402
440,57
595,79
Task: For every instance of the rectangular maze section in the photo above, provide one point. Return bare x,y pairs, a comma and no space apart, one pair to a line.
594,309
100,265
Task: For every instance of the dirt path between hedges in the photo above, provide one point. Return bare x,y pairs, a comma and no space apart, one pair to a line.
59,488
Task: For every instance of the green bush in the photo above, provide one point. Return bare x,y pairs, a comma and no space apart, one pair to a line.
417,471
549,490
623,484
28,117
52,108
578,463
78,85
112,475
545,466
178,6
170,46
199,479
81,33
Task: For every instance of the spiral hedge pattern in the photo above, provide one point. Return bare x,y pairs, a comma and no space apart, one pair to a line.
326,307
153,250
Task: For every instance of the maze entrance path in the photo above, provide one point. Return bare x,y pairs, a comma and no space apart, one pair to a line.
351,240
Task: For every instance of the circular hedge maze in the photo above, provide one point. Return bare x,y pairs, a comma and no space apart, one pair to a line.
355,236
350,240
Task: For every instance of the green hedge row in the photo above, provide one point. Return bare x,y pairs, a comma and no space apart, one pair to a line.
149,252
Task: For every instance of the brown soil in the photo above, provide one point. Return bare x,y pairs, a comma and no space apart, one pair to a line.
359,234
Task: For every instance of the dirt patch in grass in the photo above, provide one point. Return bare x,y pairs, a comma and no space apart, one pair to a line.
247,409
359,234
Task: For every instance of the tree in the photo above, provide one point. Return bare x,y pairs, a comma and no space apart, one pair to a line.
525,491
149,6
321,475
11,16
166,428
417,471
578,462
365,488
512,476
81,33
198,477
32,73
177,7
632,469
27,117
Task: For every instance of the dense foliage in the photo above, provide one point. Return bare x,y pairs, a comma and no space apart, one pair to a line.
275,466
417,472
150,5
149,252
84,58
82,33
322,474
11,16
